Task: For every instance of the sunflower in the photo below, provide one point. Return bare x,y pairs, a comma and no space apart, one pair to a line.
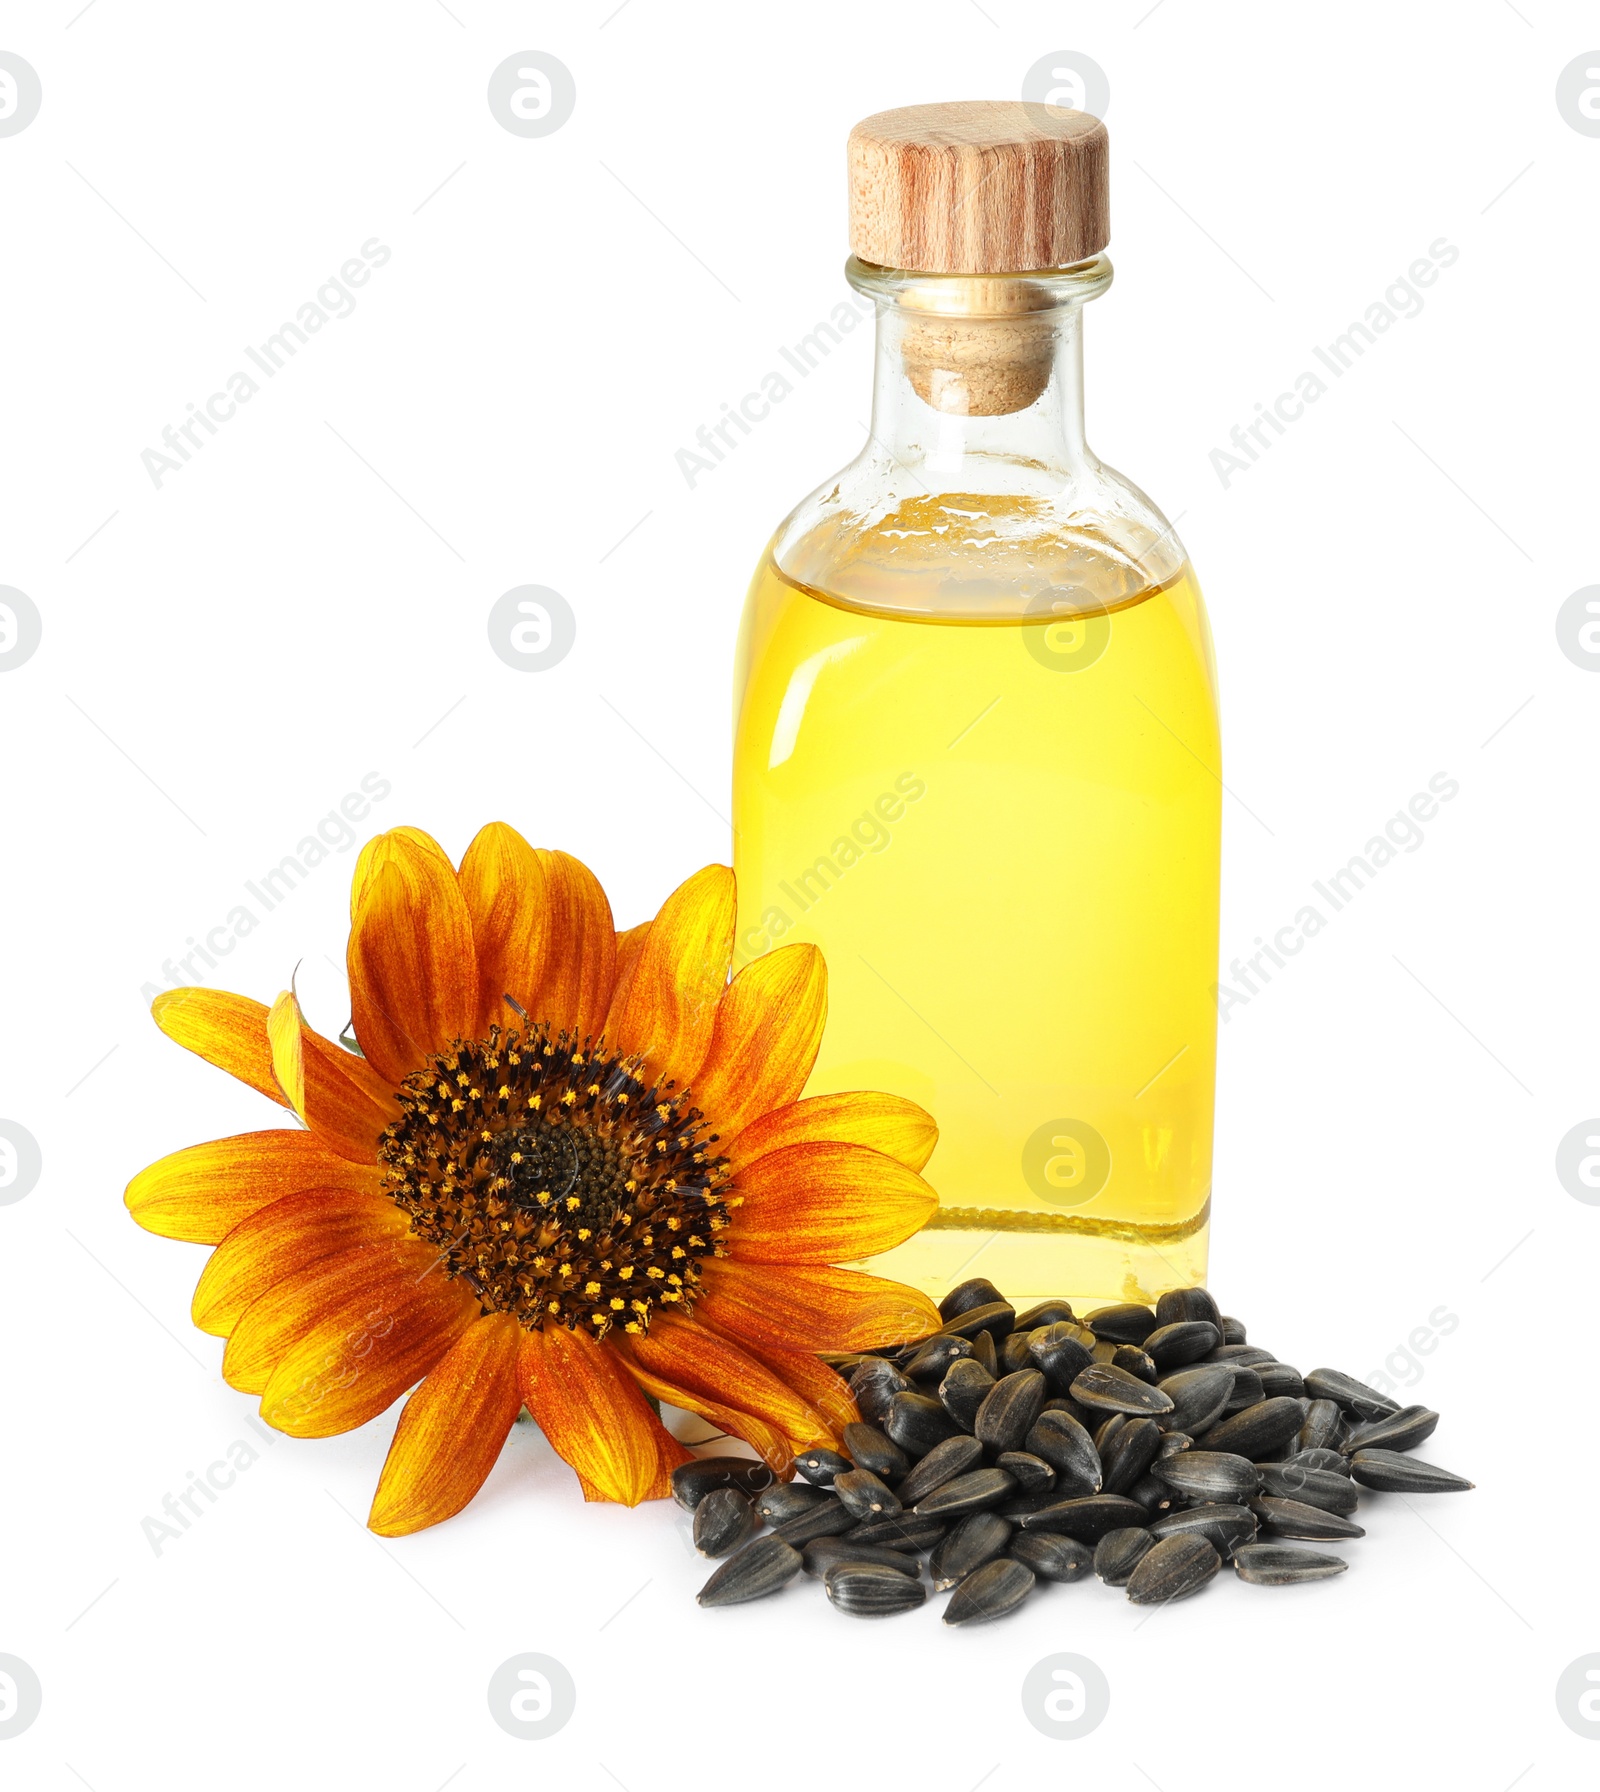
567,1169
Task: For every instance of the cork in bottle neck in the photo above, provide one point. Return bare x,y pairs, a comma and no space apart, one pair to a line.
979,219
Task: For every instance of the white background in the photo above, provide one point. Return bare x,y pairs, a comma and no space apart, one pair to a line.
225,657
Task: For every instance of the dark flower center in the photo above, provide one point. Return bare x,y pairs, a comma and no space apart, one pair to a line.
555,1182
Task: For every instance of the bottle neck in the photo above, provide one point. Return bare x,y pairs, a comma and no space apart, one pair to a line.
978,385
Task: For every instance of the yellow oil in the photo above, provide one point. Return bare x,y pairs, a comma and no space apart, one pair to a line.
1001,826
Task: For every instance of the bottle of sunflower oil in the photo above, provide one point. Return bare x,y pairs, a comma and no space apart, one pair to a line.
976,758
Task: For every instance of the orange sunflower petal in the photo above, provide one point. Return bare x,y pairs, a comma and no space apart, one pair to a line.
367,1277
595,1417
377,853
364,1351
413,968
826,1203
283,1239
768,1028
202,1192
768,1443
580,967
226,1030
338,1095
809,1307
504,887
813,1381
887,1123
452,1430
630,944
693,1360
670,1005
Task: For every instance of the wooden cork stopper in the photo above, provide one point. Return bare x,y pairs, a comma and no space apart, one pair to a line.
979,187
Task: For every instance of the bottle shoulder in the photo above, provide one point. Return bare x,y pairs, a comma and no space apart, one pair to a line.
1008,540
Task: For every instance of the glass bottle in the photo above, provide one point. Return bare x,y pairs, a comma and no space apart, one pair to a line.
976,756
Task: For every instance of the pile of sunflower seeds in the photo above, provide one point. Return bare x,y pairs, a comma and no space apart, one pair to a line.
1145,1447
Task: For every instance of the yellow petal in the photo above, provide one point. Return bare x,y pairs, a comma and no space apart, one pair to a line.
670,1005
768,1028
452,1430
826,1203
201,1193
887,1123
595,1417
413,968
226,1030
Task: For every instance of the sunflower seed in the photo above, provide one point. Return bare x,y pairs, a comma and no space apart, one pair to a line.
1403,1430
1233,1330
1153,1495
1047,1312
1175,1569
722,1521
1280,1378
974,1492
1137,1445
966,1296
821,1467
1051,1558
1136,1362
1014,1353
1317,1487
1243,1356
1390,1472
824,1553
1255,1432
1060,1403
788,1499
1282,1565
1198,1396
1119,1552
989,1592
1293,1518
1061,1441
984,1353
917,1422
1009,1409
1225,1528
996,1317
1332,1460
1172,1442
1210,1476
1122,1325
978,1538
900,1530
692,1481
1177,1345
870,1449
869,1591
1087,1519
1062,1351
1032,1474
1106,1389
1188,1303
935,1355
1354,1396
760,1568
1106,1433
942,1463
863,1495
1104,1350
1019,1505
831,1519
962,1391
874,1384
1323,1424
1247,1390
